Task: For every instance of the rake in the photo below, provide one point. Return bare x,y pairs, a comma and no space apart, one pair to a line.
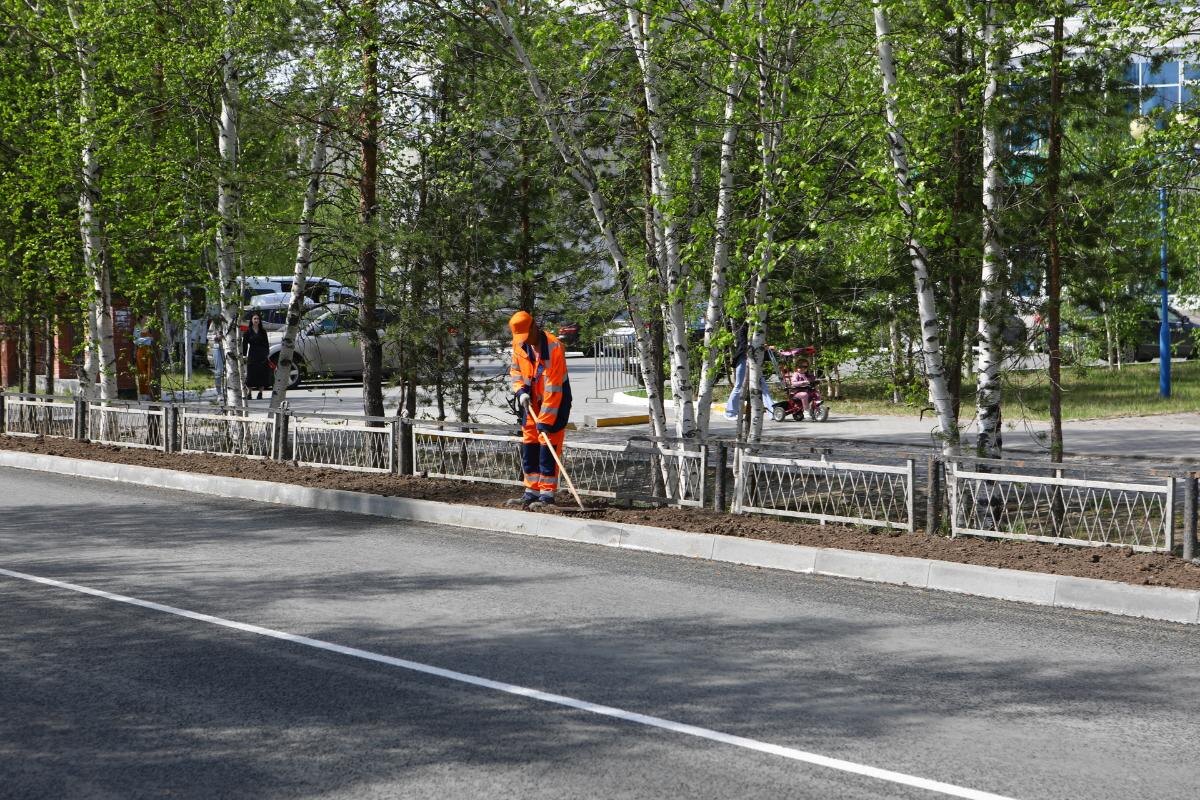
584,510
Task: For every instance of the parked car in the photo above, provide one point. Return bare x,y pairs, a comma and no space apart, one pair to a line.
1183,344
568,333
273,308
328,345
1083,336
317,289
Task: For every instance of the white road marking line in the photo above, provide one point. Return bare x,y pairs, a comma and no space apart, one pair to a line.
535,694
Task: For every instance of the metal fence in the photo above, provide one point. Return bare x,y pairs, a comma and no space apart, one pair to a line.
643,468
1040,503
1119,503
343,441
466,454
492,454
826,491
37,415
616,363
127,425
227,432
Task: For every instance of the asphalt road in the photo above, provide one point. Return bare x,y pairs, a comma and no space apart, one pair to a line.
103,699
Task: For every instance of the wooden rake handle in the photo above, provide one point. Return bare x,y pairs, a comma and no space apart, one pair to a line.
570,484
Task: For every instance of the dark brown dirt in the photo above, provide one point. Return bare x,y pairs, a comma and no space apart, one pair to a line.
1151,569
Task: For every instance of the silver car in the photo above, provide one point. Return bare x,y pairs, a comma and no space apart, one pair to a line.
328,345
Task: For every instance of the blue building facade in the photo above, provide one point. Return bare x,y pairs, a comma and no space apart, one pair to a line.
1167,86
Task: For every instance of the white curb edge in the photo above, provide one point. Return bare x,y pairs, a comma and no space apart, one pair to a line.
1060,591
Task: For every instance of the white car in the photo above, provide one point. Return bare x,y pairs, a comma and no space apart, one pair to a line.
317,289
328,345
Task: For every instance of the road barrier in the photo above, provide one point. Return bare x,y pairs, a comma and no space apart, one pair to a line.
1039,502
1119,503
232,432
37,415
343,441
859,493
616,364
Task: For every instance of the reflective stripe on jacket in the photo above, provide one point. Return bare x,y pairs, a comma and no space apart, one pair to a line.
543,375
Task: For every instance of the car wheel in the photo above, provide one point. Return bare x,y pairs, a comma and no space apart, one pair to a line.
296,373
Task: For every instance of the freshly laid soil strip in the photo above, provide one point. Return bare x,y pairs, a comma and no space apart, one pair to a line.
793,754
1113,564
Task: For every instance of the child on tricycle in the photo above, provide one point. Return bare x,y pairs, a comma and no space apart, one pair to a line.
803,389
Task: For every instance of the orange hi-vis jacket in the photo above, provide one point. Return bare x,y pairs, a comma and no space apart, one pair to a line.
543,376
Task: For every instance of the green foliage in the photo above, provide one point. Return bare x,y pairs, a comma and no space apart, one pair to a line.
478,214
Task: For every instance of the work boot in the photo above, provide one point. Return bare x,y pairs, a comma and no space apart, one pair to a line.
546,499
524,501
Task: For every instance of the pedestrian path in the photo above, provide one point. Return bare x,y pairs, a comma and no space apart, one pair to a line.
1162,437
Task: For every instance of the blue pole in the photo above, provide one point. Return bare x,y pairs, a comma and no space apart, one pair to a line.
1164,328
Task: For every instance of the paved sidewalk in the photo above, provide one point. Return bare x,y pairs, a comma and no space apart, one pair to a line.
1165,437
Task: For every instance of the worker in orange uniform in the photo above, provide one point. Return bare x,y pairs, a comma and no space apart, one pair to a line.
543,391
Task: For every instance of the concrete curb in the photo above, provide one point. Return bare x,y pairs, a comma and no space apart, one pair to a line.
1059,591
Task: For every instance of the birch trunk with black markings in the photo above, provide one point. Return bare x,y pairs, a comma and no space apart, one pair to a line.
304,254
931,345
227,200
101,368
989,346
580,167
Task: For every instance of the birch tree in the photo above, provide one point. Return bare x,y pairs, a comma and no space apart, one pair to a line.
101,367
772,101
714,313
227,199
304,256
583,171
641,30
931,347
990,344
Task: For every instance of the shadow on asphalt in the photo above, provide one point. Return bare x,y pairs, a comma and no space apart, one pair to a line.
105,699
129,699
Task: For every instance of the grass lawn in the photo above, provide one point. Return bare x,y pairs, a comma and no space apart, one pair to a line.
1088,393
202,378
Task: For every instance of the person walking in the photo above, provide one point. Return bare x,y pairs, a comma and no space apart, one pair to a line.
740,346
543,391
257,351
144,358
216,354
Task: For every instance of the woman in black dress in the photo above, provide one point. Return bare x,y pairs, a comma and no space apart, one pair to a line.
257,351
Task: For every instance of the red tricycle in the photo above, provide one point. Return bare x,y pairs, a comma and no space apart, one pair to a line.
801,386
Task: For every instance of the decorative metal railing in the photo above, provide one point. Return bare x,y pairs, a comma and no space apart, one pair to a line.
127,425
826,491
37,415
343,441
442,452
229,432
1003,501
1092,503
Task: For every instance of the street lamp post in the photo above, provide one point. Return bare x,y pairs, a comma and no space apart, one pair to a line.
1164,325
1138,128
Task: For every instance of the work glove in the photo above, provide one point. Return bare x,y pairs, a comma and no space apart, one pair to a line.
523,401
543,428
